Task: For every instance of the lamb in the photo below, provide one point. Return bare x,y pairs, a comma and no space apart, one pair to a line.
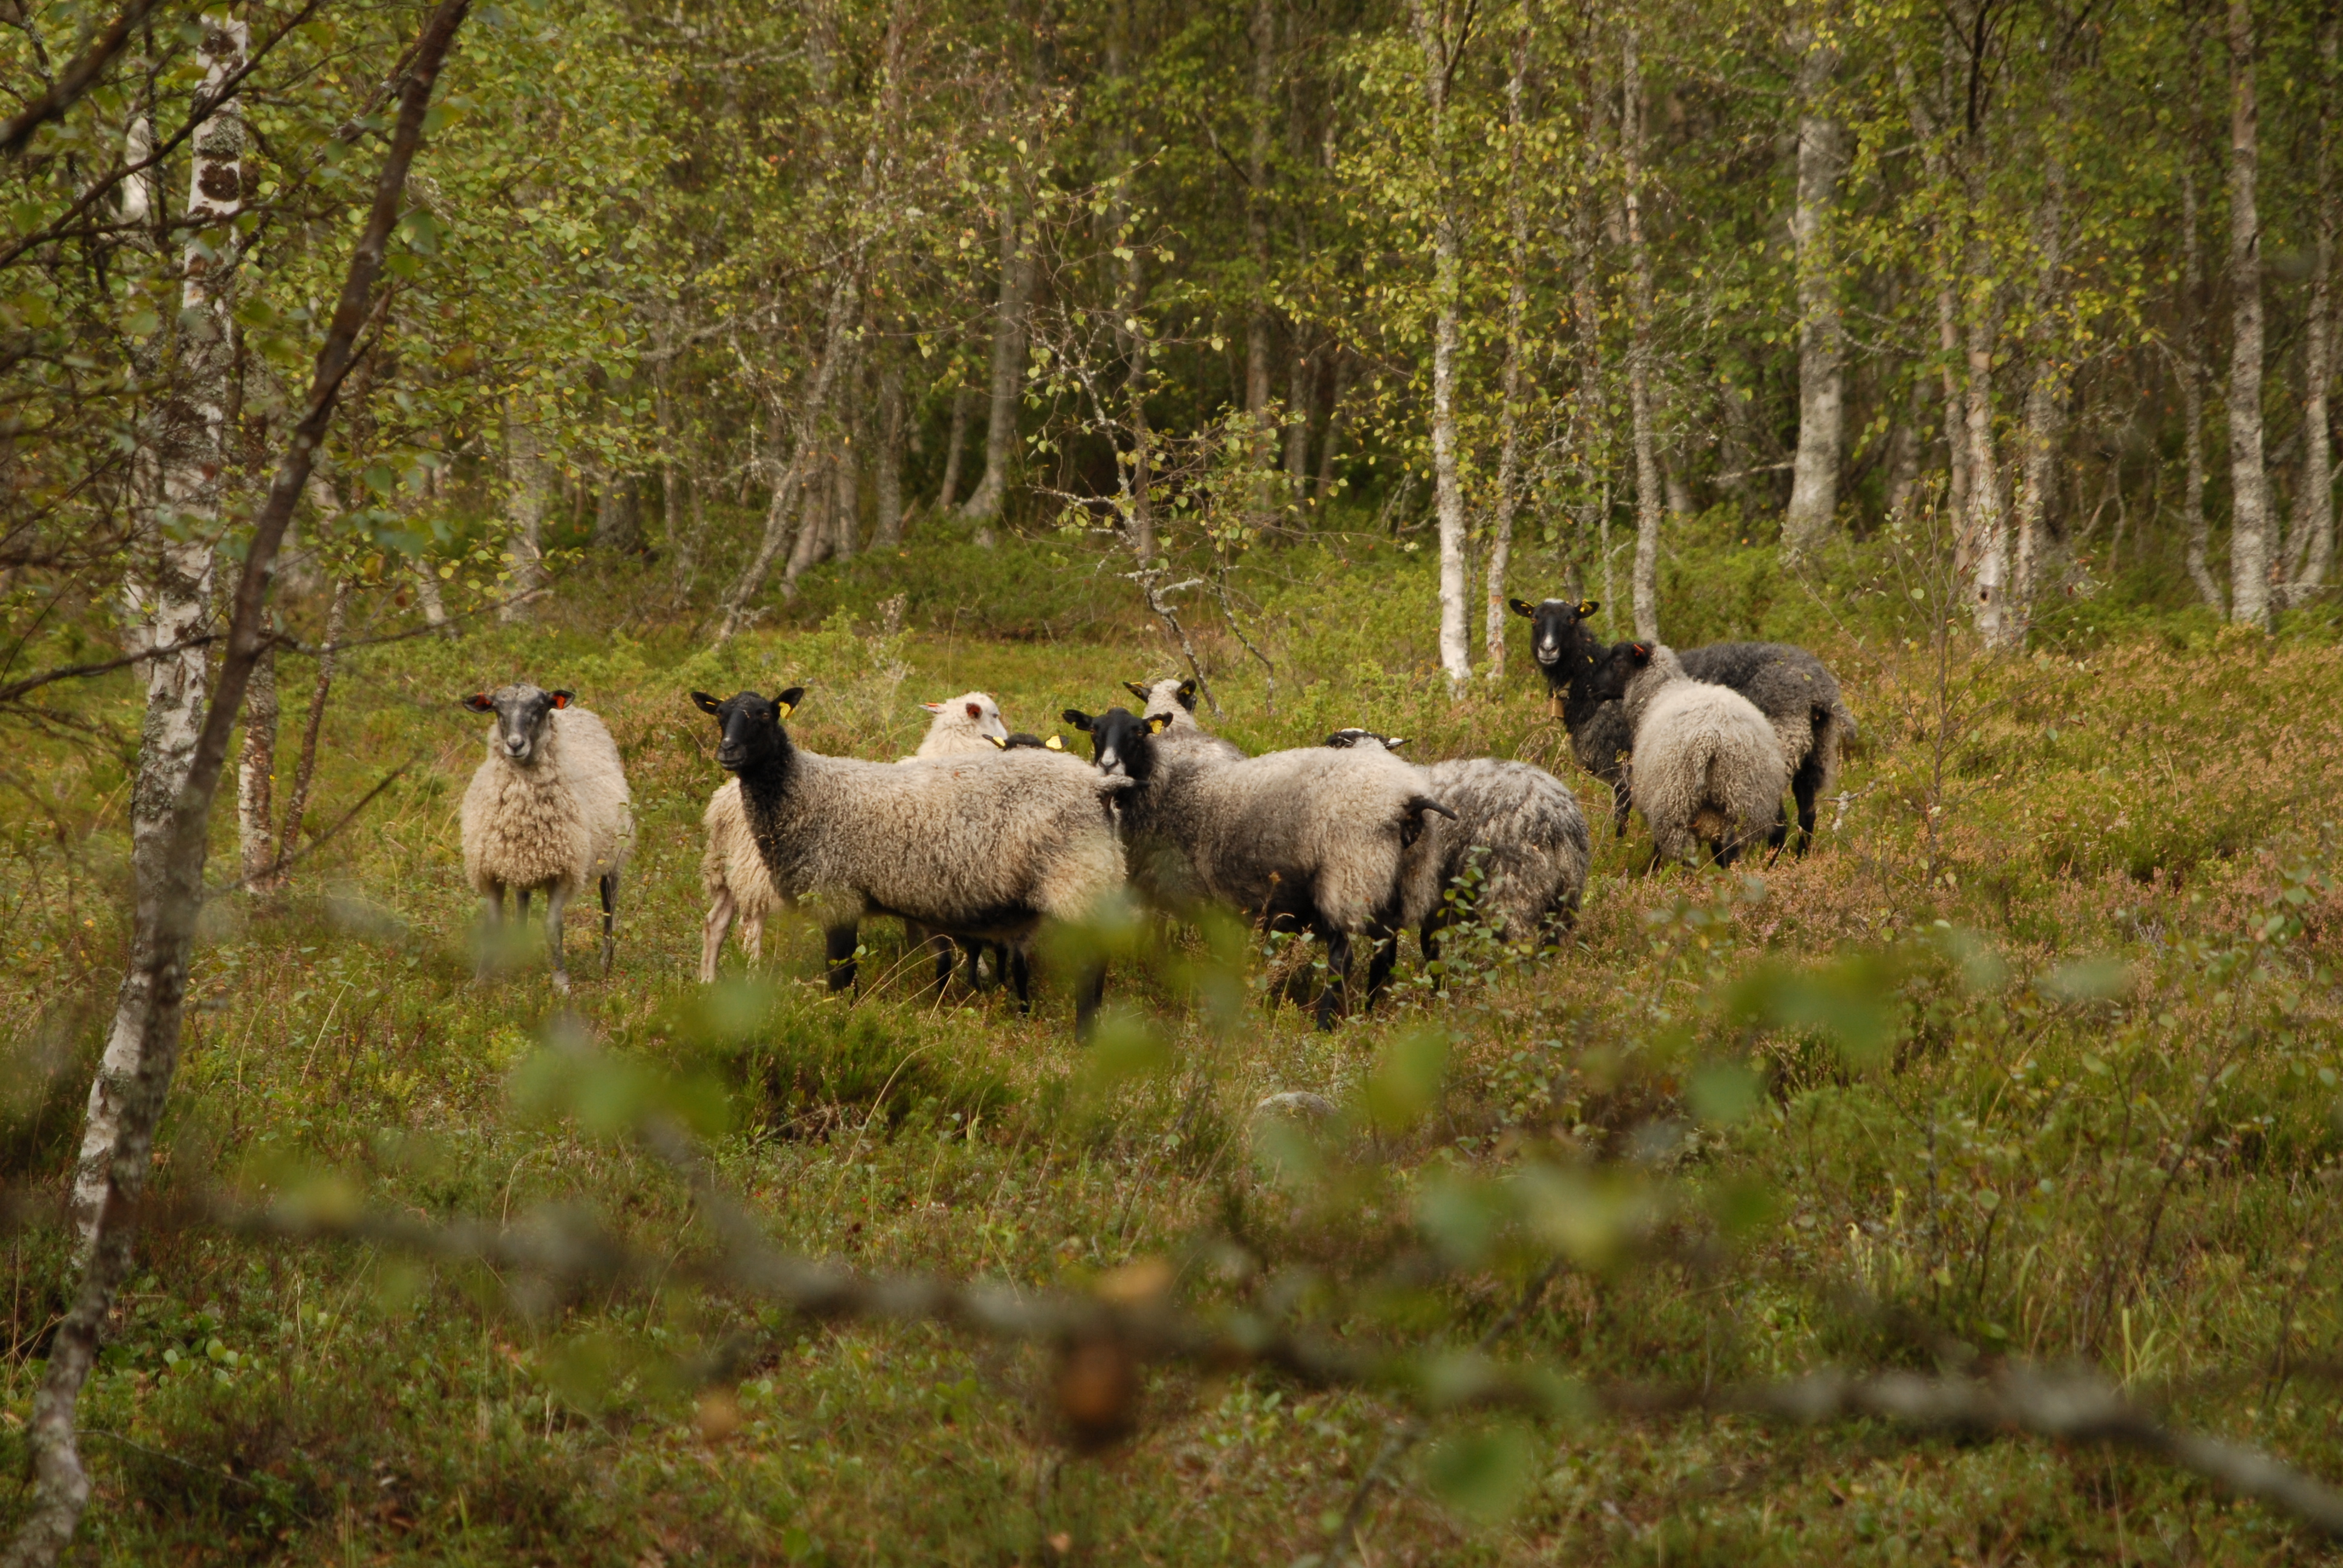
1520,823
982,848
1707,767
1795,691
547,809
966,725
1322,840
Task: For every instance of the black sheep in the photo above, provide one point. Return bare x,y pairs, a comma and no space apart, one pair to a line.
1792,688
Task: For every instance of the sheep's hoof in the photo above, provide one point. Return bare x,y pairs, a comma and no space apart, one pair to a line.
561,982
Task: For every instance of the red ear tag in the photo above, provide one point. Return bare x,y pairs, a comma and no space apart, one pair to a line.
560,700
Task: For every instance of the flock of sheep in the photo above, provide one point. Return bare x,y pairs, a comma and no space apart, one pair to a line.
983,837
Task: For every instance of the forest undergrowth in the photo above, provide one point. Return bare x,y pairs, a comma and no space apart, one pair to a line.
2036,1055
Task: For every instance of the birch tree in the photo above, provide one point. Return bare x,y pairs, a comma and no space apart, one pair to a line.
1517,293
2310,548
1019,269
1440,53
1821,409
1649,499
2249,507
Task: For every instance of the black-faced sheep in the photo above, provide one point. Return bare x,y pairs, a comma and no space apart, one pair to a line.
1795,691
983,847
1317,839
547,810
1708,769
1520,823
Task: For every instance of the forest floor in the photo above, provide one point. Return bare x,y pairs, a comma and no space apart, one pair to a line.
2034,1055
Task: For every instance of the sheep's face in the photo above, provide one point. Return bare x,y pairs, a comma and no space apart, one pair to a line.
1613,668
1559,640
974,711
1123,742
1343,739
524,713
750,725
1164,695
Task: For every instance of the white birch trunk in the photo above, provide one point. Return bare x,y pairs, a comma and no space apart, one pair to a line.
526,489
2249,515
1019,265
887,459
2046,394
255,777
1455,647
1814,486
1646,585
1509,415
169,591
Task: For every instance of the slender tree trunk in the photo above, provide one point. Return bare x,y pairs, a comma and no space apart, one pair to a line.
1509,412
1263,34
2192,397
1587,425
255,775
2046,394
955,442
1822,412
887,459
1448,304
1985,531
814,539
1904,452
1302,377
845,509
1648,499
671,470
170,591
133,1088
2311,550
527,485
2249,515
1019,265
788,488
1330,440
1131,326
305,771
1945,255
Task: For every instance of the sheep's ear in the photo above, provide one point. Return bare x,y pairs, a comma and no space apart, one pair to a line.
1078,719
562,699
699,700
788,701
1587,606
1157,724
1394,742
1135,689
480,703
1522,607
1338,741
933,707
1053,744
1188,692
1639,652
975,709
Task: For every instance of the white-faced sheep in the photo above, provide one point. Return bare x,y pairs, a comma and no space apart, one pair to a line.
1520,823
1708,769
1792,688
968,726
547,810
1317,839
1173,700
983,847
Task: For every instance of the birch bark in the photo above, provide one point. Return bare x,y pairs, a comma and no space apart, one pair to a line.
1509,413
1814,486
2311,550
1018,266
1456,649
2045,394
526,489
255,777
2249,519
170,591
1648,496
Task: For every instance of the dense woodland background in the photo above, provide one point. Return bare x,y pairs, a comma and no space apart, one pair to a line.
1983,347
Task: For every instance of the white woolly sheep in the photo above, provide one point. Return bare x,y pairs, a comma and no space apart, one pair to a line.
548,809
1707,767
733,875
967,726
984,849
1520,823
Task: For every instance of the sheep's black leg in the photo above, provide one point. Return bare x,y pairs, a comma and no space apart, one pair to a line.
1090,986
609,921
1781,833
1806,784
1338,972
1020,975
838,944
555,899
1428,939
1380,967
1621,803
520,906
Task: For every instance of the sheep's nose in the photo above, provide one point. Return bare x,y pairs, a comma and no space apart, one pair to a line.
517,748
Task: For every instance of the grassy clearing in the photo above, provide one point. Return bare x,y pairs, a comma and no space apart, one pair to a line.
2040,1048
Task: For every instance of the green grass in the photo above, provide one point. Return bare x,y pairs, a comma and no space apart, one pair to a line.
2043,1042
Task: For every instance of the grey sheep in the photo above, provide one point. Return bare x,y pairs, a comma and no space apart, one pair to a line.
1319,840
1707,767
1520,823
547,810
1795,691
980,848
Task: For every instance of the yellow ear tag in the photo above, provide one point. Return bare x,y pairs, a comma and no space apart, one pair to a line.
786,709
998,743
1053,744
1155,725
1587,606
